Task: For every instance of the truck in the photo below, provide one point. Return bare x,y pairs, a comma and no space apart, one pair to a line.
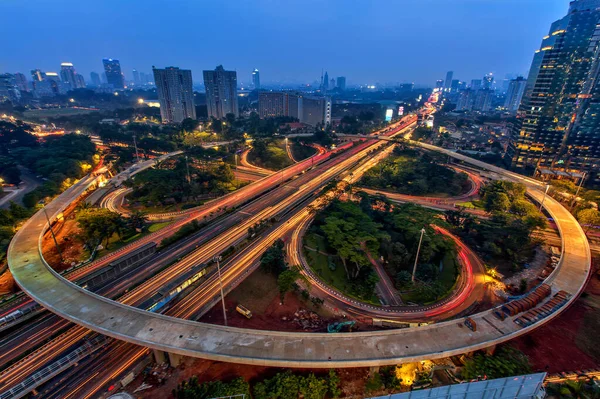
244,311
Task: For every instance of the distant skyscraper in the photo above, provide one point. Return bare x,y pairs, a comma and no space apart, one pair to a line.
488,81
475,84
466,100
37,75
316,111
514,94
341,83
80,81
483,100
439,84
114,76
448,81
95,79
326,81
175,93
454,85
68,75
332,84
558,124
221,92
136,77
256,79
21,82
8,88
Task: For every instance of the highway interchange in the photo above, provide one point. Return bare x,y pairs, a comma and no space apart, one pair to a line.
277,196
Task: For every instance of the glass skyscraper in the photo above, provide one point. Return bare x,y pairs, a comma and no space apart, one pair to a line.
114,76
558,119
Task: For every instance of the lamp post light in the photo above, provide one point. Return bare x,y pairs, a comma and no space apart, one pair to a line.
417,257
218,260
545,194
53,235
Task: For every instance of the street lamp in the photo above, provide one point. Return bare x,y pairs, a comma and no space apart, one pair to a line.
218,259
417,257
52,232
544,199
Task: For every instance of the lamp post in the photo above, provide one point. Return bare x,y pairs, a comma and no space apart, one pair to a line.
417,257
218,260
52,232
544,199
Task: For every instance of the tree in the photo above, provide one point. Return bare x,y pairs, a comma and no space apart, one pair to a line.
137,219
189,125
287,280
505,362
588,218
273,259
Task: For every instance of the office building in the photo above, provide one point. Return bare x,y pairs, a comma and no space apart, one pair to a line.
175,93
488,81
114,76
80,81
514,94
483,100
68,75
454,85
256,79
221,92
136,77
309,110
466,100
279,103
341,83
475,84
316,111
326,81
21,82
448,81
37,75
8,88
439,84
50,85
95,78
558,125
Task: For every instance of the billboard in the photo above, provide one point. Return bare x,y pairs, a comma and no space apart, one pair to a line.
400,110
389,113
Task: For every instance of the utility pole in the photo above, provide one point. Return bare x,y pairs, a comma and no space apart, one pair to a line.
136,150
52,232
218,259
544,199
417,257
577,192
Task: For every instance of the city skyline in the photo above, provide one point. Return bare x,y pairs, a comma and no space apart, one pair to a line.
514,29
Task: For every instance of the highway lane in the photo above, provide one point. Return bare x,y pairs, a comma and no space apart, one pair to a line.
137,296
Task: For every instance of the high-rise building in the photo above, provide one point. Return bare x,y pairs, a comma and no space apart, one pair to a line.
279,103
514,94
326,81
221,92
439,84
316,111
483,100
68,75
341,83
114,76
448,81
95,79
331,84
175,93
256,79
50,85
310,110
37,75
558,124
80,81
136,77
466,100
8,88
488,81
21,82
454,85
475,84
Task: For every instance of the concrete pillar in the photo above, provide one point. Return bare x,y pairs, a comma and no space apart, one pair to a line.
373,370
490,350
175,359
159,356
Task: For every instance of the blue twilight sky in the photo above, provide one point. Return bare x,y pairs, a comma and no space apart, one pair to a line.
368,41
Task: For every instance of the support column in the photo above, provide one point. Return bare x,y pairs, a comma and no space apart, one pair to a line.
159,356
373,370
490,350
175,359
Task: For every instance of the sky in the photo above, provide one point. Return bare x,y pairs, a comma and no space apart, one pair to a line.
368,41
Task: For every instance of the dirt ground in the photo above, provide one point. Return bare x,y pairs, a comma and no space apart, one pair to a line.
570,342
7,283
71,248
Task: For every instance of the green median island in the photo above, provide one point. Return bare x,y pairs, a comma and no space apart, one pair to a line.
346,237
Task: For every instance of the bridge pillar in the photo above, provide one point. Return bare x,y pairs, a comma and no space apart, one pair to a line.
175,359
159,356
490,350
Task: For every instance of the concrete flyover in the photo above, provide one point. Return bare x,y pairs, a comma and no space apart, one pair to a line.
285,349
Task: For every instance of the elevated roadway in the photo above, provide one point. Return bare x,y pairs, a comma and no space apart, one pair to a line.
285,349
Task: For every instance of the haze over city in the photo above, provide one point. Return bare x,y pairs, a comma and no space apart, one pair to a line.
290,42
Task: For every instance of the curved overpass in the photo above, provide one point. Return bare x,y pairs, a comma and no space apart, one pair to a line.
284,349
